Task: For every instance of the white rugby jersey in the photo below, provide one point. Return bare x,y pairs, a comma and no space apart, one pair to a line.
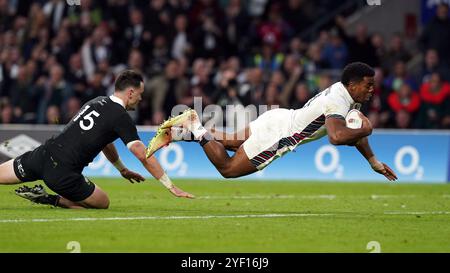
308,122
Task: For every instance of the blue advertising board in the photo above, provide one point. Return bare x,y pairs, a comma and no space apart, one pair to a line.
414,156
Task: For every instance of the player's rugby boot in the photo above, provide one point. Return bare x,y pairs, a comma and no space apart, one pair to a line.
37,194
162,138
165,136
174,129
182,120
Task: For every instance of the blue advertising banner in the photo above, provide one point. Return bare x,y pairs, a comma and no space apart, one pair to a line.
414,156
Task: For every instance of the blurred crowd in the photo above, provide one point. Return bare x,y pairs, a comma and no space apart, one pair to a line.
55,57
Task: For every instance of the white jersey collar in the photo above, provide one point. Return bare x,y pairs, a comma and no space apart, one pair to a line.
346,93
117,100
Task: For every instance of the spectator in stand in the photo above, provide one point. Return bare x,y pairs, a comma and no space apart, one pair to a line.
256,7
61,47
301,96
95,49
205,8
396,52
208,38
166,91
94,89
75,76
274,31
70,109
446,114
159,55
228,95
436,34
432,64
5,15
180,40
297,14
55,11
11,63
53,115
404,99
268,60
236,27
201,78
380,48
272,96
298,48
23,99
158,16
7,113
398,77
334,52
403,120
252,90
294,73
277,79
136,35
360,47
312,65
51,91
433,94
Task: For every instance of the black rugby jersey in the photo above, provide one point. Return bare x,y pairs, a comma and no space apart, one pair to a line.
98,123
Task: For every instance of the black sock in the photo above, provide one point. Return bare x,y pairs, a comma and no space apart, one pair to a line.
205,139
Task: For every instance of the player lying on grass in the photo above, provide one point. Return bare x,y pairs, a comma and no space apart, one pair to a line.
60,161
279,131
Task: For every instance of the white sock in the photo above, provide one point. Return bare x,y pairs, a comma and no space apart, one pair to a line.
197,129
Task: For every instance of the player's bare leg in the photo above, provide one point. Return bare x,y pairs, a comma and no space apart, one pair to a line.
7,174
97,200
229,167
165,136
66,203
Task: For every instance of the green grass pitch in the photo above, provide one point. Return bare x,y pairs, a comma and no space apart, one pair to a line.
237,216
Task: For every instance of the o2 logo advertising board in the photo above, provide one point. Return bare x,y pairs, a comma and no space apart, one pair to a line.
415,157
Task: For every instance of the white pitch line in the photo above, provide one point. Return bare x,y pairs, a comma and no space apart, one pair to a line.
386,196
416,212
165,217
46,220
215,197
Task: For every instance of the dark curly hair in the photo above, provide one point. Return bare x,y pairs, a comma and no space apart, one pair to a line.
355,72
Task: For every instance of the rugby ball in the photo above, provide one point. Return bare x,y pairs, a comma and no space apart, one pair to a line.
353,120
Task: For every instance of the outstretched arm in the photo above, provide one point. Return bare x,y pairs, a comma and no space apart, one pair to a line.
154,168
111,154
364,148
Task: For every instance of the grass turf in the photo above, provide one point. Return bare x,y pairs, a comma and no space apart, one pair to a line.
296,217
